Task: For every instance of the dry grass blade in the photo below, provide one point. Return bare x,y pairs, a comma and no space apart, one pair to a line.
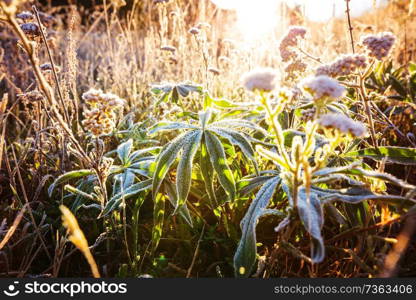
77,237
13,228
393,258
3,117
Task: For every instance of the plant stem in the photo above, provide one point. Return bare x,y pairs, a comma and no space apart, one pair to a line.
350,28
61,98
367,109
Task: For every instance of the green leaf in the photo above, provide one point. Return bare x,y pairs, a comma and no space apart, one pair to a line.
219,162
207,101
124,180
163,126
382,176
123,151
412,68
205,117
311,215
116,200
207,172
238,139
166,158
184,172
398,86
245,256
158,218
246,186
67,177
183,211
354,196
399,155
239,123
138,153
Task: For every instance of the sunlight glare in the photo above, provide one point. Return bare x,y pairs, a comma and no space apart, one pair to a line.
255,19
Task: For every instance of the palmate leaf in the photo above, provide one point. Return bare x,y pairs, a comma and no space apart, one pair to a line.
354,195
378,175
158,218
238,139
239,123
245,256
131,191
399,155
183,211
173,91
123,151
166,125
311,215
247,185
219,163
123,180
67,177
204,118
167,157
333,170
207,172
184,172
138,154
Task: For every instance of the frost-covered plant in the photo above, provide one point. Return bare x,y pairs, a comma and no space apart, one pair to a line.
342,123
289,48
306,176
323,89
175,91
261,79
290,41
204,138
380,45
100,116
343,66
123,176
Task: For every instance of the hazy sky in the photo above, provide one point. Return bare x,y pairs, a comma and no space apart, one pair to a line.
322,10
317,10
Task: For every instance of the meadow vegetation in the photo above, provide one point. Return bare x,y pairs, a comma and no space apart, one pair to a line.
152,138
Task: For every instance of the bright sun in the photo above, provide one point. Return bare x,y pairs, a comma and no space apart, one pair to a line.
255,18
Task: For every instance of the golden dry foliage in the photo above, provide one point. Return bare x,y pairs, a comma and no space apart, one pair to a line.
77,237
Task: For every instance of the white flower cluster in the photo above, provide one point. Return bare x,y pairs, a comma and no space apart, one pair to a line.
343,123
100,117
379,46
343,66
262,79
323,88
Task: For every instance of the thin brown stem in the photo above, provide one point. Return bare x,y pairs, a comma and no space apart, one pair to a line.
55,75
350,28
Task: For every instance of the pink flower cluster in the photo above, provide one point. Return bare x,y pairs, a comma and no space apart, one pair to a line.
343,66
289,41
380,45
